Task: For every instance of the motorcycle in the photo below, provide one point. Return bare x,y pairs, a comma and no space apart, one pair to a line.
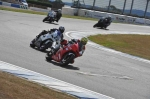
44,41
101,23
65,54
51,17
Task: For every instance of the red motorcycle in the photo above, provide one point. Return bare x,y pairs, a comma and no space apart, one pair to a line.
66,54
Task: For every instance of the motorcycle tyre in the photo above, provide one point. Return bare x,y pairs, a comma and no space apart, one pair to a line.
44,19
68,61
95,25
48,56
32,43
50,20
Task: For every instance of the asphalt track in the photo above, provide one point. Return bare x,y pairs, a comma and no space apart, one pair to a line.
100,70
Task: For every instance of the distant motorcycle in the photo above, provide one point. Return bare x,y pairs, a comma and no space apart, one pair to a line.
51,17
101,23
65,54
44,41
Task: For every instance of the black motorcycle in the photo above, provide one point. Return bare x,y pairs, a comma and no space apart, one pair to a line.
51,17
102,23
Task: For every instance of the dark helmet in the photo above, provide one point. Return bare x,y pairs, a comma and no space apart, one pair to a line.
109,17
59,10
61,29
84,40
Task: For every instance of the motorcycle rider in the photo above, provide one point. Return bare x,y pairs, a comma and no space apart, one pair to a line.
59,31
58,14
108,21
82,42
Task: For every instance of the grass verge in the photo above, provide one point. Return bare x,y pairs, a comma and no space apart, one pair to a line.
12,87
137,45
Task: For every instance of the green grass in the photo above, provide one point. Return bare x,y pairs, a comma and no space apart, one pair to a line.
138,45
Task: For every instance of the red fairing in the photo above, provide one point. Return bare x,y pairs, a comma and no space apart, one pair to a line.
65,49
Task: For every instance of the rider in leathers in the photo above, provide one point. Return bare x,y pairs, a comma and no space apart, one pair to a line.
59,31
108,21
58,15
82,42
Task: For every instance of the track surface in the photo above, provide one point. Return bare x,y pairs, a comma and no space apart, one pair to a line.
101,71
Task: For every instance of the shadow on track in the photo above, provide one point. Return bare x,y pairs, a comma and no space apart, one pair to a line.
101,28
67,67
46,51
52,23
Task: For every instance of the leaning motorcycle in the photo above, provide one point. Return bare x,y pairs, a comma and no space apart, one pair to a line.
51,17
101,23
65,55
44,41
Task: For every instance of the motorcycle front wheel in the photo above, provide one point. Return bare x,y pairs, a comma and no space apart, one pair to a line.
32,43
49,56
67,58
50,20
95,25
45,19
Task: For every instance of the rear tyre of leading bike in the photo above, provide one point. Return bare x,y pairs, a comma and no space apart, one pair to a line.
67,58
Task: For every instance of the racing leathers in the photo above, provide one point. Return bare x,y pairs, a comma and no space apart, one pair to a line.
58,15
59,34
81,45
107,21
67,43
56,45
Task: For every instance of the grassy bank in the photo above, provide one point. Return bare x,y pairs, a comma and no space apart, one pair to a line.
12,87
138,45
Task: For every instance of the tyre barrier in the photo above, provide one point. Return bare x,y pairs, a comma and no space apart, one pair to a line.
14,5
23,7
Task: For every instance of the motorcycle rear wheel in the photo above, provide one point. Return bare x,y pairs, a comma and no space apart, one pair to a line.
67,59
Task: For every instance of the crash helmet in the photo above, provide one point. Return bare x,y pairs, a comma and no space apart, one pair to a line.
59,10
84,40
109,17
61,29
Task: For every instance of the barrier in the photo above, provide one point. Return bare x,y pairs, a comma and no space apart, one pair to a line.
139,21
23,7
130,19
15,5
39,9
99,14
6,4
147,22
68,11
